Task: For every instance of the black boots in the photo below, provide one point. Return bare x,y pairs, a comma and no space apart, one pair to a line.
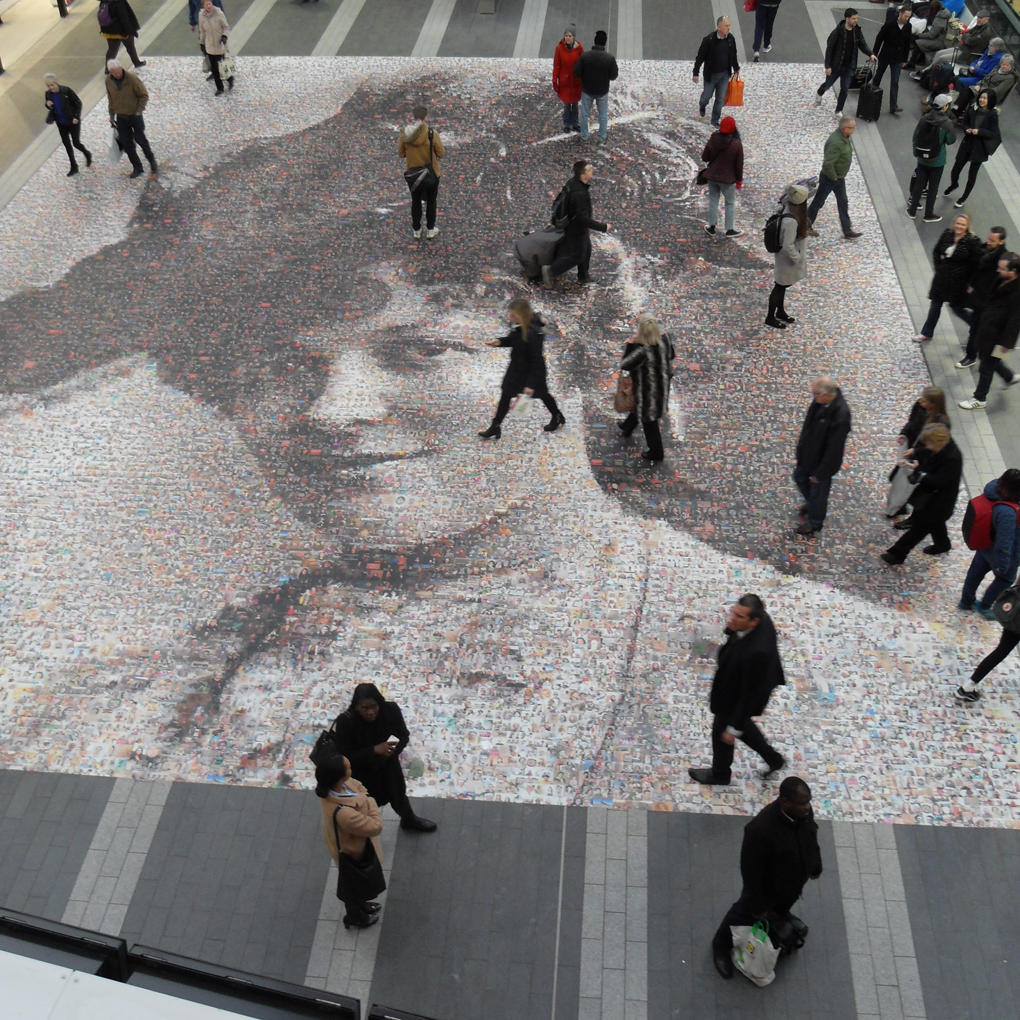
492,432
417,824
555,422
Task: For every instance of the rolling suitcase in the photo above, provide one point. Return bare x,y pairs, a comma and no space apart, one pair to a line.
869,102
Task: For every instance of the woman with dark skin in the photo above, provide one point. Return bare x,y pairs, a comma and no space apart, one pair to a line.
371,734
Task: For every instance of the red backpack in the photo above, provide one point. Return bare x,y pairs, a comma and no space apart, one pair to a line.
977,521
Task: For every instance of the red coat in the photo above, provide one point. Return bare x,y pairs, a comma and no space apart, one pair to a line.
567,87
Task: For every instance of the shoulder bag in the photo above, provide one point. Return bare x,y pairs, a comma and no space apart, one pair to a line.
358,879
623,402
422,176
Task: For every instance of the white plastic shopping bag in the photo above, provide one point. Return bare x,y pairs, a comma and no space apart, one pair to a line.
753,953
113,149
522,404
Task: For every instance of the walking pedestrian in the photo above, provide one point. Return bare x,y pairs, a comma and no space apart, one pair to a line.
934,498
749,670
65,111
575,248
980,139
351,826
956,256
968,691
724,154
371,735
194,6
982,282
526,372
119,24
568,88
780,852
421,146
820,450
790,262
836,161
648,357
997,331
595,70
764,18
127,98
928,409
718,55
841,57
934,131
213,31
1003,557
892,47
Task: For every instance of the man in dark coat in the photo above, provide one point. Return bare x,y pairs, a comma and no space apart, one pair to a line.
718,55
575,248
371,734
997,331
749,670
779,854
595,70
980,286
65,111
820,451
841,57
892,48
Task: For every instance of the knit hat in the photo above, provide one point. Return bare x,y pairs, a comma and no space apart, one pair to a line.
572,29
727,125
942,101
797,194
849,12
601,38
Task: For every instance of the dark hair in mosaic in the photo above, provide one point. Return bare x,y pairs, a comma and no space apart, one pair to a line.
793,786
1009,485
328,773
367,692
753,605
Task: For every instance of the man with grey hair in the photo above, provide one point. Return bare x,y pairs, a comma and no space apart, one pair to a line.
65,111
836,160
820,451
718,54
127,97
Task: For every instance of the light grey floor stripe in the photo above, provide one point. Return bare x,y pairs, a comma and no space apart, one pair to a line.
887,985
529,32
113,864
729,8
336,31
1004,177
430,38
559,913
630,31
343,961
614,919
248,23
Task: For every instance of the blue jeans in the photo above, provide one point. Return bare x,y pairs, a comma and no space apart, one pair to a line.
844,78
570,116
816,495
714,83
979,568
729,193
827,186
935,310
602,102
764,18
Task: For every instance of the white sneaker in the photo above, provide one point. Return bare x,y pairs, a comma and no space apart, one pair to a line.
432,233
756,56
966,362
417,234
921,338
818,100
973,405
1014,380
767,49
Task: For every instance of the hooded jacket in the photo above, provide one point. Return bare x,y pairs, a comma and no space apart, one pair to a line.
725,157
1004,555
823,437
595,70
947,135
414,146
999,324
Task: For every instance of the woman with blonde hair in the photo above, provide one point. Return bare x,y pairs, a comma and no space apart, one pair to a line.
956,254
928,409
526,372
648,357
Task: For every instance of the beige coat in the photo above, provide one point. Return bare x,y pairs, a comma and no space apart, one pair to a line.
414,145
212,28
357,826
128,96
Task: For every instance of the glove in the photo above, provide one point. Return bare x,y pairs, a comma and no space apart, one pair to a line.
740,184
223,38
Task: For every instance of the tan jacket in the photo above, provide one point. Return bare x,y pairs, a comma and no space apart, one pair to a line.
414,145
212,28
127,97
356,826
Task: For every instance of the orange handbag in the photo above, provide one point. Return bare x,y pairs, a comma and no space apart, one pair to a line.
623,402
734,93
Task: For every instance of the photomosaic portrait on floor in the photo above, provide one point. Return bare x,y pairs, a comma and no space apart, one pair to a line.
241,472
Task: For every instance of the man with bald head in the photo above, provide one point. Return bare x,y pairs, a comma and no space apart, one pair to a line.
820,451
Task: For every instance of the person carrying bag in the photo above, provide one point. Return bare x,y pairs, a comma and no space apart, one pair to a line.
422,148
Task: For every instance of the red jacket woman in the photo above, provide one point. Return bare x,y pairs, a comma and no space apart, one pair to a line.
567,87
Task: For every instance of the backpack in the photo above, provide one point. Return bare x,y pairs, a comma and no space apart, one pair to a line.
559,216
772,235
1007,609
977,521
927,139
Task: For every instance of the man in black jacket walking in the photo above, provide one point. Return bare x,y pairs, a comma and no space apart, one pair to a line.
997,331
718,54
982,282
749,670
595,70
820,451
892,47
575,248
841,57
779,854
65,111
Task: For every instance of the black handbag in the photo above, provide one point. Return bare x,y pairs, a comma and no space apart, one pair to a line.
358,880
422,176
701,180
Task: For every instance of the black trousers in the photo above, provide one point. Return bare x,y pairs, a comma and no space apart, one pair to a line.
113,48
925,176
214,68
972,172
131,130
777,299
70,134
578,257
916,532
1007,642
739,914
987,367
653,437
722,753
506,398
430,195
385,782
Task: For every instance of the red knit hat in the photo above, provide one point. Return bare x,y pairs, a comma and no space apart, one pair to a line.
727,125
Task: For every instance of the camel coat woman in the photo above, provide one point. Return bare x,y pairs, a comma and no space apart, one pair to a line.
213,29
356,827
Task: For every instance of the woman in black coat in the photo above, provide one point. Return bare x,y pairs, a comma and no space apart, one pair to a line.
928,409
526,372
980,139
935,496
649,360
370,735
956,254
118,24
